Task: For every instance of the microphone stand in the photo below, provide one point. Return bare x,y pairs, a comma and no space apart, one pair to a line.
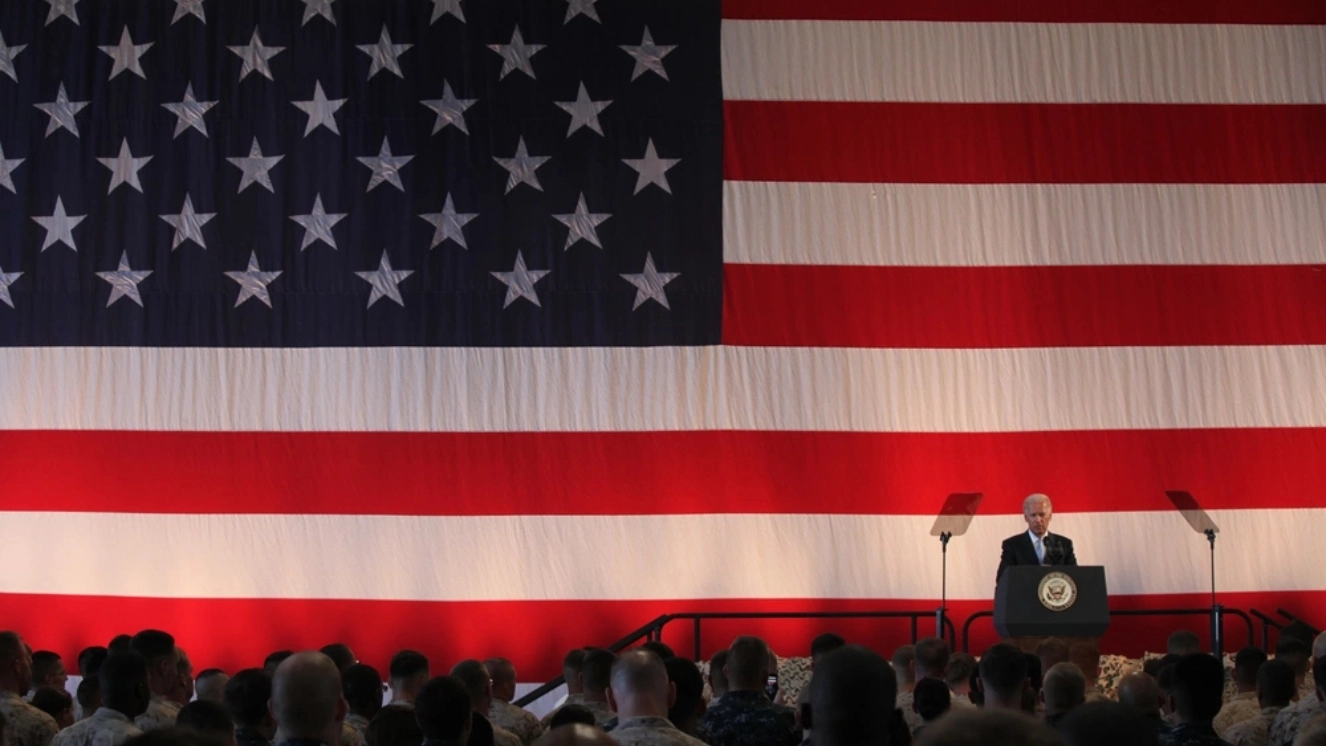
1217,642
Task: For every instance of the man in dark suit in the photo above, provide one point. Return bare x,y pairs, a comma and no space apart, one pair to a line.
1037,546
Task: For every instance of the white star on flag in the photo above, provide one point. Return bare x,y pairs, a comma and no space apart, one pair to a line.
648,56
581,8
652,169
321,110
386,167
59,226
188,224
383,55
124,168
449,109
318,224
253,282
65,8
256,168
125,55
7,55
188,8
520,282
583,224
448,224
7,279
255,56
516,55
584,113
522,167
124,281
385,281
318,8
447,7
190,112
649,284
62,112
7,166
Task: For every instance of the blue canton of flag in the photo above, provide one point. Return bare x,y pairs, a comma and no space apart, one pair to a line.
321,173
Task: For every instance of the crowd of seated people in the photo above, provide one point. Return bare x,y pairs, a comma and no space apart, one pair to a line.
141,690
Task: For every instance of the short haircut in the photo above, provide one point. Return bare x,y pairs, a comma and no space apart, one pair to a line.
960,668
596,673
207,717
408,664
119,644
340,654
473,676
685,676
1275,679
852,697
825,643
1198,687
1295,652
11,647
306,693
1032,500
89,693
443,708
1246,664
502,670
989,727
659,648
1003,669
931,656
747,663
121,679
571,714
716,674
1140,692
275,659
246,695
52,701
1064,687
45,663
1107,724
1052,650
903,659
154,645
208,673
394,725
931,699
573,660
640,672
89,660
362,687
1183,642
1086,656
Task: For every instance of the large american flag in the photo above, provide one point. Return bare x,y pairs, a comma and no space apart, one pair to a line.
492,327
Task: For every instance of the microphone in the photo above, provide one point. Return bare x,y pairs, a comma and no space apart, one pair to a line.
1053,552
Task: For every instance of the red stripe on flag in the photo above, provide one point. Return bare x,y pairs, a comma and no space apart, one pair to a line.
535,634
1035,11
1023,143
656,473
964,307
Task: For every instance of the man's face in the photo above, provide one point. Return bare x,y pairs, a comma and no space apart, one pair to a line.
58,679
1038,517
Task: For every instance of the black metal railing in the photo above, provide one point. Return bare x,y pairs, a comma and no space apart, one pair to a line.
649,630
1267,625
1200,611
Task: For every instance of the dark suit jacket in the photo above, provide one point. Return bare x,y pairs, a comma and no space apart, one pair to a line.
1018,550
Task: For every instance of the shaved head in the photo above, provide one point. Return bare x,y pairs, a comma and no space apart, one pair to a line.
639,686
306,698
503,674
1140,692
15,664
852,697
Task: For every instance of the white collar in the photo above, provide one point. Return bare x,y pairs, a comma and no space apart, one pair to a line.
1033,536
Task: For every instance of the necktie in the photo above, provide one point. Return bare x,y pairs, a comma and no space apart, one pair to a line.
1040,550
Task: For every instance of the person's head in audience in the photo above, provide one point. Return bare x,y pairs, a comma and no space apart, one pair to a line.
639,686
904,666
408,672
124,682
445,711
1032,696
823,644
306,699
208,718
659,648
1246,664
747,666
396,725
1183,642
1197,690
503,673
89,693
1141,693
163,660
89,660
930,699
15,664
570,715
853,695
341,655
596,674
55,702
1275,684
1063,689
961,666
246,696
1051,651
473,675
1086,656
1003,677
988,727
571,665
689,706
1296,653
48,670
120,644
576,734
275,659
1313,733
931,658
211,685
182,692
362,687
1108,724
718,679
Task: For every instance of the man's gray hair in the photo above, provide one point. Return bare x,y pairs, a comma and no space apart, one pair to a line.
1031,501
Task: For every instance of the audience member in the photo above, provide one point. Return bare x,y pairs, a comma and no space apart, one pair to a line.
163,677
362,687
208,718
90,660
1063,689
1109,724
182,692
1243,705
1086,656
246,695
1165,683
929,660
397,725
1275,688
89,663
688,706
931,699
55,702
473,675
275,659
1292,719
1003,677
852,693
717,679
961,666
989,727
125,694
409,672
1183,642
1141,693
659,648
28,726
306,703
1196,693
596,676
48,670
481,732
1300,655
904,667
1052,651
824,644
445,712
641,694
745,716
88,695
120,644
570,715
1031,698
340,654
211,685
575,689
502,713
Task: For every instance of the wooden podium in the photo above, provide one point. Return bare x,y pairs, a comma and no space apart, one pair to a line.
1067,602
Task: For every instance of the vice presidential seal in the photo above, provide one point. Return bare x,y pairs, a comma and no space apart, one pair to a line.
1057,591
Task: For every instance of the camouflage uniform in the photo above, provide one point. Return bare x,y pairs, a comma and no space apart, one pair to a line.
352,737
1242,707
749,719
515,719
28,726
106,727
602,712
1189,734
359,723
1292,719
651,731
909,714
571,699
161,713
504,737
1255,731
